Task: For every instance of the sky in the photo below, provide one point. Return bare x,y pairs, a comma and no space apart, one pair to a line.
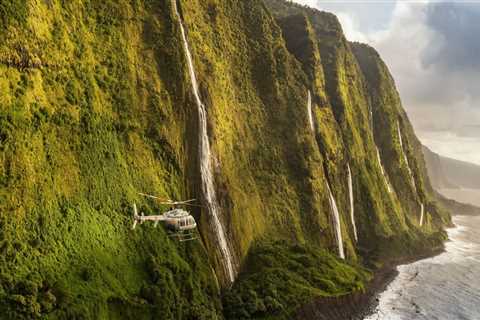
432,49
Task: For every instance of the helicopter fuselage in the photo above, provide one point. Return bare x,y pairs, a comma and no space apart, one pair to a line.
175,220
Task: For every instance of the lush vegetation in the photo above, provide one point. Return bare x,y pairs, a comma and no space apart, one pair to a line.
87,121
96,106
279,277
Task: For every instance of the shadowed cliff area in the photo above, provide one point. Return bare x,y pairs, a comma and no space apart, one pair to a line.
456,182
316,172
448,173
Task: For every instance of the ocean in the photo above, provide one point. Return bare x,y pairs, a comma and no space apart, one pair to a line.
445,287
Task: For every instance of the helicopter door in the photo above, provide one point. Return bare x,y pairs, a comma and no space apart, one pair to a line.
182,223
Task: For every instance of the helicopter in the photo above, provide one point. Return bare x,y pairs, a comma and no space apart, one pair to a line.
179,222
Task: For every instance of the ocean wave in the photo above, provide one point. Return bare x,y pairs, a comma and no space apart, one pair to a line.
443,287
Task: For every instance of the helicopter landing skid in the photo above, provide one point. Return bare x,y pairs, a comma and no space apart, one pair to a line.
182,237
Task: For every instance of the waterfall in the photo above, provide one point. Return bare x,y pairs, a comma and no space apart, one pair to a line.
384,174
405,158
208,187
309,109
336,223
422,210
371,117
352,210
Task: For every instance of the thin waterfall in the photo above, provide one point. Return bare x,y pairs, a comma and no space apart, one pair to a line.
422,206
422,210
405,158
352,209
384,174
309,109
336,223
379,159
371,117
208,187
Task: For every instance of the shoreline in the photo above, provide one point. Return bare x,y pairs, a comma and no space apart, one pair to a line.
358,305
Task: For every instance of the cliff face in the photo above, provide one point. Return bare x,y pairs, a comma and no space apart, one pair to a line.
451,173
396,139
436,170
450,178
98,102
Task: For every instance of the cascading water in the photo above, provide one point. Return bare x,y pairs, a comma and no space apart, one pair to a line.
208,187
400,135
336,223
379,159
405,158
422,210
384,174
371,117
422,206
309,109
352,210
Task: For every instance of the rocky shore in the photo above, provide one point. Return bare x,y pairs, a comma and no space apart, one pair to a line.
358,305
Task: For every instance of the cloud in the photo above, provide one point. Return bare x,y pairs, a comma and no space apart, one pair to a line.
369,16
350,28
457,28
451,145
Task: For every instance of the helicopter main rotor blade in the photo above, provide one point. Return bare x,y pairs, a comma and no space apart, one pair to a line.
153,197
178,202
167,201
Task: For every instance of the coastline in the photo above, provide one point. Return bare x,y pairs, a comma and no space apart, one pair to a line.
358,305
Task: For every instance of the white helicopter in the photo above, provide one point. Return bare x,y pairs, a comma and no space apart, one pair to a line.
179,222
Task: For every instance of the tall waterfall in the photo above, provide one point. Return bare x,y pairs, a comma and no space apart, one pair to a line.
352,209
309,109
336,223
405,158
208,187
422,211
384,174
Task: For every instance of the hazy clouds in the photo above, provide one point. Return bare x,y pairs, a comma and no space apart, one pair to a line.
433,52
457,30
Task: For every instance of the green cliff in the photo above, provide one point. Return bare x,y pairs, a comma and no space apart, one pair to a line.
96,105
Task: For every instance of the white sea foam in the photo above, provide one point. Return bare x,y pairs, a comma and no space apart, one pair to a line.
442,287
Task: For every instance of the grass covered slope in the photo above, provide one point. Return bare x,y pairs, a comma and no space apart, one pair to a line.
96,106
279,277
91,113
390,121
349,128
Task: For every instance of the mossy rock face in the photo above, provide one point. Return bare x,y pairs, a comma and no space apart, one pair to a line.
96,106
92,111
390,120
